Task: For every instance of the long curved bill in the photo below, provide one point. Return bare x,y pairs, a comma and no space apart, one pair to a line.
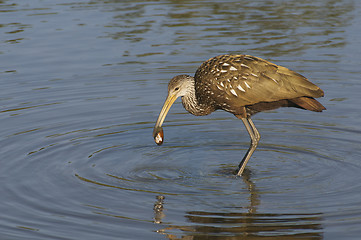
158,134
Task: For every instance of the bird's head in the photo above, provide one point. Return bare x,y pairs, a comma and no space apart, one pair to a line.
178,86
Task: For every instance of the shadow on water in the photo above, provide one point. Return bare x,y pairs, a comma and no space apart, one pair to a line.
236,225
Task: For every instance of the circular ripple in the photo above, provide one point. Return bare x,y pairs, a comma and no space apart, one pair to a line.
96,169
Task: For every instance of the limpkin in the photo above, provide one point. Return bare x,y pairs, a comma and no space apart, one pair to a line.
242,85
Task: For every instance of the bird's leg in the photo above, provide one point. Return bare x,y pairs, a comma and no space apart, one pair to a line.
255,131
255,136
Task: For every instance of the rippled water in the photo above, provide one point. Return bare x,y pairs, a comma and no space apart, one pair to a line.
83,83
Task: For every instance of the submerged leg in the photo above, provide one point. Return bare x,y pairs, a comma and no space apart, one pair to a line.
255,136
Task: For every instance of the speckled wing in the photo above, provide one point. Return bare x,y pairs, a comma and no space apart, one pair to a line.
231,81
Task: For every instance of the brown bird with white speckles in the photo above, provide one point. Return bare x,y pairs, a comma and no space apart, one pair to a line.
242,85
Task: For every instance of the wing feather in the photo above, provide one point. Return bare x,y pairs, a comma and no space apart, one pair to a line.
233,81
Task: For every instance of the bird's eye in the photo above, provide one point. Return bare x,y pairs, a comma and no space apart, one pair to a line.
176,89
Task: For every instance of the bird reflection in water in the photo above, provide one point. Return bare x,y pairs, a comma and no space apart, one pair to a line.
158,209
242,225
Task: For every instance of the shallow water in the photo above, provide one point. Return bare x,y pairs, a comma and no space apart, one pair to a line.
83,83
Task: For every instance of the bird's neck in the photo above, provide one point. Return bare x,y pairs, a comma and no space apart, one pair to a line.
192,104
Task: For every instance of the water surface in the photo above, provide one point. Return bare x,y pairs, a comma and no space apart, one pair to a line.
83,83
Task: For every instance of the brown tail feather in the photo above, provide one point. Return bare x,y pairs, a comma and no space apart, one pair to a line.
308,103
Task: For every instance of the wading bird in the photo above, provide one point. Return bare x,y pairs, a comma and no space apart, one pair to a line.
242,85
